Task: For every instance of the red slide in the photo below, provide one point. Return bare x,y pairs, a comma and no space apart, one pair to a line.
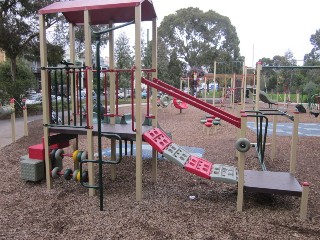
193,101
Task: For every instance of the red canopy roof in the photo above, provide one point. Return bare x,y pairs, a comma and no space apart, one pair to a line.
101,11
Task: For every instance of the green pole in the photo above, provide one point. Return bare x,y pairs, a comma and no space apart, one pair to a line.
97,36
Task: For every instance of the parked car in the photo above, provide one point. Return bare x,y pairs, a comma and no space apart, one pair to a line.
83,95
34,99
54,97
121,94
144,94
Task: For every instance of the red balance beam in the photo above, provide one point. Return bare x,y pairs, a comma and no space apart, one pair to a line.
166,88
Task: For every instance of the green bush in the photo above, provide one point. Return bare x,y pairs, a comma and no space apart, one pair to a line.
25,79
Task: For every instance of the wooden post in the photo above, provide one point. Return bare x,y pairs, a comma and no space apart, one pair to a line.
112,78
240,131
88,61
232,87
274,137
74,144
45,98
72,40
25,121
195,84
154,96
214,83
13,121
244,88
294,143
188,86
304,200
205,89
241,160
285,98
209,129
297,96
259,68
138,103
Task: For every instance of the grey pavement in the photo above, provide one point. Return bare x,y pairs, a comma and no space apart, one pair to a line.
6,129
285,129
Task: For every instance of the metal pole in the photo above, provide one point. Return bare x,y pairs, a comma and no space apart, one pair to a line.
99,118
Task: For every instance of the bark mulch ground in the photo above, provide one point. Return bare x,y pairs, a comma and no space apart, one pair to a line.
29,211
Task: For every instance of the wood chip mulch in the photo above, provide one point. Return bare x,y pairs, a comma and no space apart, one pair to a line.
29,211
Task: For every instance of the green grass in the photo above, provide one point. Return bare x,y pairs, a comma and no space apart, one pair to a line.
293,97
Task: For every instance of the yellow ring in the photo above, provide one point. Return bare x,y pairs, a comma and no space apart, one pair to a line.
74,155
78,176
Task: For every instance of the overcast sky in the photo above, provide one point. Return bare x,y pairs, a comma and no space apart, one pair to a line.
264,28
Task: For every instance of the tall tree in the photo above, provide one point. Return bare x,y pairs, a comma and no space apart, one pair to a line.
123,58
313,59
163,61
60,36
176,70
15,89
315,41
19,23
147,56
282,79
200,37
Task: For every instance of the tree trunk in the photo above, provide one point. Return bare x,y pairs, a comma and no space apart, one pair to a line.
13,68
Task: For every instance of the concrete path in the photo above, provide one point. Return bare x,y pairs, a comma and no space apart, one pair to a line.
6,129
285,129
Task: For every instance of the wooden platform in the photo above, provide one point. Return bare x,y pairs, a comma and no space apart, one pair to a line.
282,183
123,130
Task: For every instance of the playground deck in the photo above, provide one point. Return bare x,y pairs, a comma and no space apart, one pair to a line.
271,182
123,130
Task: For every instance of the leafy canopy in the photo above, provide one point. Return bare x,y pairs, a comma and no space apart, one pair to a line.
15,89
123,58
19,23
199,38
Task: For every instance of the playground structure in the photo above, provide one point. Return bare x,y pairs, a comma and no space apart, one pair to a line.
286,98
232,86
179,105
163,101
210,122
73,124
314,105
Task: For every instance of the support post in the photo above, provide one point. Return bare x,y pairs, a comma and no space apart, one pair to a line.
241,160
233,91
45,98
154,96
274,137
304,200
259,68
13,121
205,89
297,97
72,47
294,143
244,87
88,60
138,103
112,77
241,132
214,83
25,119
